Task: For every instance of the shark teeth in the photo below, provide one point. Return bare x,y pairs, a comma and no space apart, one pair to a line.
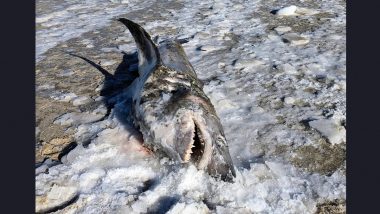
188,153
191,154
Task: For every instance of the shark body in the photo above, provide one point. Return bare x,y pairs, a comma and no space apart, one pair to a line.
171,110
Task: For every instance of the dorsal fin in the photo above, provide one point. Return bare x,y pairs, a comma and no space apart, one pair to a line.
149,57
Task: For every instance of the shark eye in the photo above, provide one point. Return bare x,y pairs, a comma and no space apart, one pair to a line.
220,141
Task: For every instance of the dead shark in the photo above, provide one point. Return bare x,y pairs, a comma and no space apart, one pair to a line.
171,110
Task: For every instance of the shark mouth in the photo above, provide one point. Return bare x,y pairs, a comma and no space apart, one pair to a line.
199,149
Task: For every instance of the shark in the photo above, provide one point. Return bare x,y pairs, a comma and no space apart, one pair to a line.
171,110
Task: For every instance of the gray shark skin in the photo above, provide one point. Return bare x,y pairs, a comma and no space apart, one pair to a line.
171,110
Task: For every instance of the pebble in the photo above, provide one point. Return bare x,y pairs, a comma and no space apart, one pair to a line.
295,39
55,146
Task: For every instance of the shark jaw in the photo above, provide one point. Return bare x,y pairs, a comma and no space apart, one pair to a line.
199,147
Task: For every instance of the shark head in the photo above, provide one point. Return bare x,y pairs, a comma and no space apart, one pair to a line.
172,111
199,140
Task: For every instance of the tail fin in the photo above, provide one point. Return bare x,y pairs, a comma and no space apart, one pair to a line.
149,57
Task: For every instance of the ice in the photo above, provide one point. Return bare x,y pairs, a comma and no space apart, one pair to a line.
289,100
287,11
294,10
66,73
57,196
108,62
330,129
81,100
88,180
306,11
282,29
190,208
65,97
76,118
288,68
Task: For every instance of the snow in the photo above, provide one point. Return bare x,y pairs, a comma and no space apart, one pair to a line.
330,129
108,62
282,29
293,10
81,100
66,73
288,68
289,100
76,118
65,97
262,88
306,11
57,196
190,208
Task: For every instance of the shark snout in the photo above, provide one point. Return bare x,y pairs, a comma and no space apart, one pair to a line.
221,164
